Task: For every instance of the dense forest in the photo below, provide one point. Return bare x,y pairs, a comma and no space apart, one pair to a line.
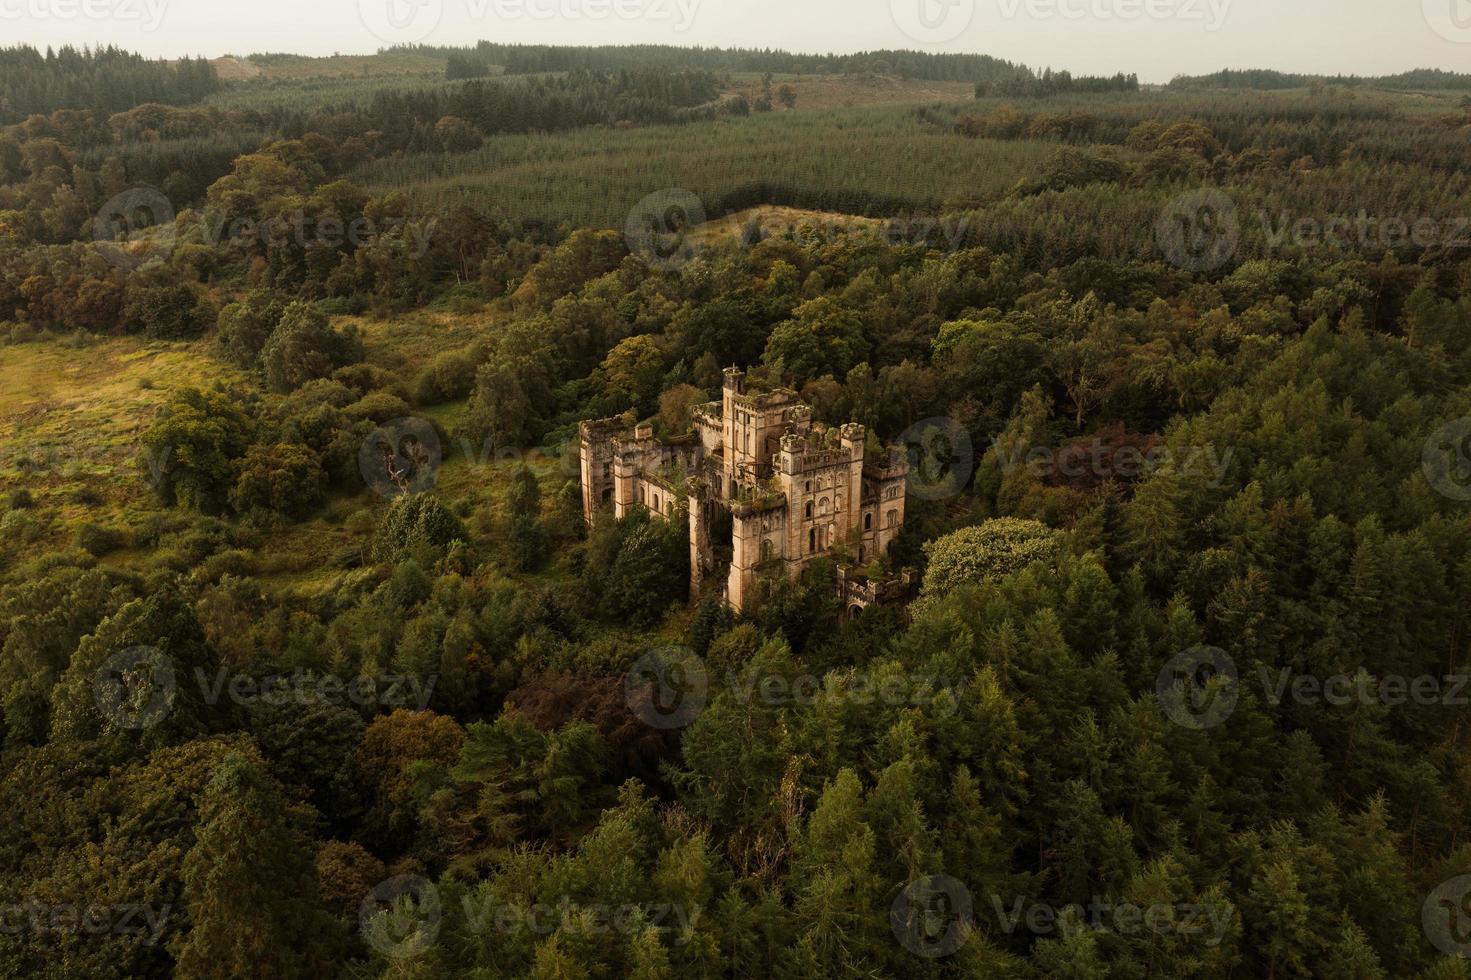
527,59
1260,78
310,665
104,80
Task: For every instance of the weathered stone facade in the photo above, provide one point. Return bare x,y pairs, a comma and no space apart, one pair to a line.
795,490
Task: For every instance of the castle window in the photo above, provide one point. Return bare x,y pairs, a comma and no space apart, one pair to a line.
862,552
809,486
868,522
669,508
812,540
766,550
808,510
893,518
822,506
656,502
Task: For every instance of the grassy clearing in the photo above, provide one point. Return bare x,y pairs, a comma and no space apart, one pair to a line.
774,220
77,413
386,63
70,423
404,344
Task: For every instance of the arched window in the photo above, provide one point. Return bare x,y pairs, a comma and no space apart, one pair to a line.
809,486
812,540
893,518
766,549
822,506
808,510
868,522
669,508
656,503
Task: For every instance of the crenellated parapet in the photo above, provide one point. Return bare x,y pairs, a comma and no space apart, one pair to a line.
795,489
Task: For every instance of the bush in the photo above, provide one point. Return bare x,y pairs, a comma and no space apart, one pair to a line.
165,311
448,377
416,525
304,347
378,407
97,540
245,327
285,478
192,450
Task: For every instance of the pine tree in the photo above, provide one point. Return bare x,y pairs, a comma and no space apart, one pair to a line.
250,885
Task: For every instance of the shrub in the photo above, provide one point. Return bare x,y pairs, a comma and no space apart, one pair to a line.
165,311
416,524
304,347
244,327
378,407
97,540
192,449
285,478
447,377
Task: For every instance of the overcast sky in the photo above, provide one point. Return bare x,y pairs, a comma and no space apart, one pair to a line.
1156,38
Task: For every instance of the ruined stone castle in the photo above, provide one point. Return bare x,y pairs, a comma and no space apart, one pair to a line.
795,490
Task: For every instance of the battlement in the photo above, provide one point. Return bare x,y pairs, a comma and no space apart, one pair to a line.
797,490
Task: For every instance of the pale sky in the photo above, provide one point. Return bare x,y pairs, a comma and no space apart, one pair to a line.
1156,38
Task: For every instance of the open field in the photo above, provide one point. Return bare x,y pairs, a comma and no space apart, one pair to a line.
298,67
773,220
317,93
71,419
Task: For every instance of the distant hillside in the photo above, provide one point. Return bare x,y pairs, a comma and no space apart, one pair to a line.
1266,79
523,59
